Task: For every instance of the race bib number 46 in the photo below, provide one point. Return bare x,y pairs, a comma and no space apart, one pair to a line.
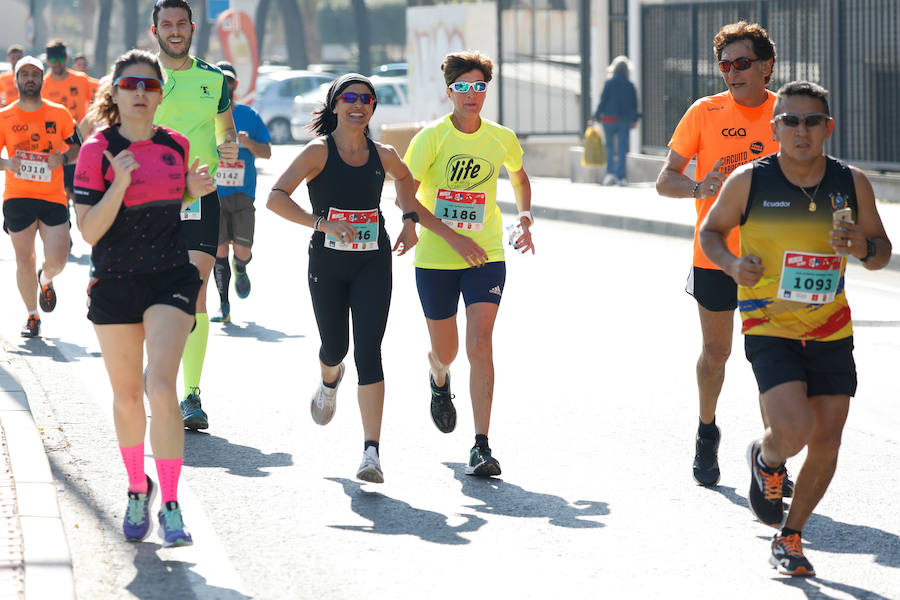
460,210
230,174
35,166
366,224
809,278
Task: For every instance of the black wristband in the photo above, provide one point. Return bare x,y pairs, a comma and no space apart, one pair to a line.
275,189
871,251
411,215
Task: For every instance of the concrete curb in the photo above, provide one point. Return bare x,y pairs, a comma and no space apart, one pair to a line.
47,559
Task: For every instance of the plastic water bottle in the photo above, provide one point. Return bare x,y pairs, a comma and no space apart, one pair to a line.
516,232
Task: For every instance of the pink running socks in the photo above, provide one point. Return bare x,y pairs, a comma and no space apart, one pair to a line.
133,457
169,470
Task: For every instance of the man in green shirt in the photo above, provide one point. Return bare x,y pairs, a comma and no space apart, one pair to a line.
196,103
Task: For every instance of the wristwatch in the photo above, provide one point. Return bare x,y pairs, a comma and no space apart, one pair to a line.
411,215
871,250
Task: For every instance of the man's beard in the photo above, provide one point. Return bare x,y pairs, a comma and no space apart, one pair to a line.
34,93
165,47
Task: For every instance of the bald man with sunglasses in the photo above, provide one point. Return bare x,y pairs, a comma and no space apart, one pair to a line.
723,131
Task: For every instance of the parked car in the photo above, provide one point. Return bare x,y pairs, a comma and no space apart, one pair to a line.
397,69
393,107
274,98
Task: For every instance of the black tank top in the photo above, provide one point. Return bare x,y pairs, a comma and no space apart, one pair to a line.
340,185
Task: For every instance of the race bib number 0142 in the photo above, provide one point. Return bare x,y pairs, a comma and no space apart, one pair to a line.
230,174
35,166
460,210
366,224
809,278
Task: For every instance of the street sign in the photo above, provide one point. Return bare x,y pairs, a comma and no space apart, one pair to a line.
214,8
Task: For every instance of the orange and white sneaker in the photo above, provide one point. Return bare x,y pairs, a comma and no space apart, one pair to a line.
32,327
47,295
787,556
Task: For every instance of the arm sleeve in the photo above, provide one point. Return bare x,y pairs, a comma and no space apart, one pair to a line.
224,100
686,138
90,184
604,98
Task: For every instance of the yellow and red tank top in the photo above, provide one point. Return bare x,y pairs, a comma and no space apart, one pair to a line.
801,294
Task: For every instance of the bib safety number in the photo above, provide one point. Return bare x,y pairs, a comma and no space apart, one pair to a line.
35,166
192,212
809,278
459,209
366,224
230,174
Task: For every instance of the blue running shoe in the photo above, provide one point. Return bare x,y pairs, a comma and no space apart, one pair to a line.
241,281
137,516
192,413
224,315
171,526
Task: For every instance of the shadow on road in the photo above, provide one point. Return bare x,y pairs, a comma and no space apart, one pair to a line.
209,451
395,517
253,330
57,349
157,578
818,589
499,497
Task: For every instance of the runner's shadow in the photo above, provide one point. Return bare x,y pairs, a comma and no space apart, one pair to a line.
395,517
818,589
209,451
501,498
38,347
84,259
157,578
253,330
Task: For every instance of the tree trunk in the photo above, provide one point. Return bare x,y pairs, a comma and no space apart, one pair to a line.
262,14
101,49
294,34
200,47
363,35
131,23
309,10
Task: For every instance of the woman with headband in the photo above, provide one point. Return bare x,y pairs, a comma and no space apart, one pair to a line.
130,183
349,251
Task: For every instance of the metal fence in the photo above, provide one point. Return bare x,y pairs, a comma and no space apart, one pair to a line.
543,67
851,47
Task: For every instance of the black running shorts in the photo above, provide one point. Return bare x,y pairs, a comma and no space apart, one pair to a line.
203,234
713,289
20,213
826,367
120,301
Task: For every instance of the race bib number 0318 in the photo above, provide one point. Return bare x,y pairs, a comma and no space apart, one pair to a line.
366,224
230,174
35,166
460,210
809,278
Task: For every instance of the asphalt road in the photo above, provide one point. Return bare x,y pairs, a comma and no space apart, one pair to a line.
593,423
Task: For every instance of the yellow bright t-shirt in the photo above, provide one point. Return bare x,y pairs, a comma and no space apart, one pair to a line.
458,174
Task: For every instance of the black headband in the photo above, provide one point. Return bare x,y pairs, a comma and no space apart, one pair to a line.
345,81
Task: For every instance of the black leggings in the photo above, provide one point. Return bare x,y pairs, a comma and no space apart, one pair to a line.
358,282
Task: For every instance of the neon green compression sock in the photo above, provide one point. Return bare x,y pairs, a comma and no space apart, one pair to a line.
195,353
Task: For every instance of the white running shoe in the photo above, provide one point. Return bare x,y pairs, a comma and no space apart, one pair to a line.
370,468
610,179
622,182
323,401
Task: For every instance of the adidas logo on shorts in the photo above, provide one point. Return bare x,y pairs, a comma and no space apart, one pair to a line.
495,290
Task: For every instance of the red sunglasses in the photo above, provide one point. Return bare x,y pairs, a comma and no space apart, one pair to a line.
145,84
350,98
740,64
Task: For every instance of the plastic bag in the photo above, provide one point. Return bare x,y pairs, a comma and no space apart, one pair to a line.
594,152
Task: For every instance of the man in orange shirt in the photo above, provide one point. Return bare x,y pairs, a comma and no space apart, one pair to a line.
80,64
40,137
8,91
723,131
69,88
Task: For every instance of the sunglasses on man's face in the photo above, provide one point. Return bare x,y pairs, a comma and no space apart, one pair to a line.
56,59
463,86
144,84
741,63
793,120
351,97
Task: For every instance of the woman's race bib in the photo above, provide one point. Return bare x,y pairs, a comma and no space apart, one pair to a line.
809,278
460,210
366,224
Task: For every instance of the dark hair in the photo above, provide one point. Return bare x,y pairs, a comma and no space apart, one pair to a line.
104,110
458,63
324,120
15,48
763,47
161,4
57,47
801,88
79,56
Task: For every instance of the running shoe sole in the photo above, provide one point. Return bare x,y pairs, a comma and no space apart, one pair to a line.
485,469
370,474
798,572
47,299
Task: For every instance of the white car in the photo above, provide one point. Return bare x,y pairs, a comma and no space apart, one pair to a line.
393,107
274,98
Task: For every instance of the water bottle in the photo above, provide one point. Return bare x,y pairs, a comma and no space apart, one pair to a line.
514,234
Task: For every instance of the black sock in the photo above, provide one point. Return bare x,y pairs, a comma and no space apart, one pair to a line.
786,531
372,443
708,430
481,441
241,265
222,275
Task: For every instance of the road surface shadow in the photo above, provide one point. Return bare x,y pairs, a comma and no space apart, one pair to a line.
395,517
57,349
818,589
251,329
499,497
84,259
209,451
157,578
824,534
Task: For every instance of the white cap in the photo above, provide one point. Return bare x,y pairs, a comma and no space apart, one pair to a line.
28,60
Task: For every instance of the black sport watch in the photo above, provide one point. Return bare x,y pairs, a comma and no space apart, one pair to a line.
871,250
411,215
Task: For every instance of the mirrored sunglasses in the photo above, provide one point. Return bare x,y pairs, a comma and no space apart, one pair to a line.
351,97
793,120
56,59
463,86
144,84
741,63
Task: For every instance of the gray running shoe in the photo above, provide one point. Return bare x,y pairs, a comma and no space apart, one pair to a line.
323,401
370,468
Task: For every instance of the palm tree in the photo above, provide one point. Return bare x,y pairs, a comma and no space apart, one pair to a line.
294,34
363,35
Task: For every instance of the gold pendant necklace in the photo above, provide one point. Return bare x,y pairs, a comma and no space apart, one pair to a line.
812,198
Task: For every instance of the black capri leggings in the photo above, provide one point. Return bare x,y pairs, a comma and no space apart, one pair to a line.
340,282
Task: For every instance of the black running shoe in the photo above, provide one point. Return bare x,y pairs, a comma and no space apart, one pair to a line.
47,296
443,412
32,327
481,463
706,459
765,489
787,487
787,556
